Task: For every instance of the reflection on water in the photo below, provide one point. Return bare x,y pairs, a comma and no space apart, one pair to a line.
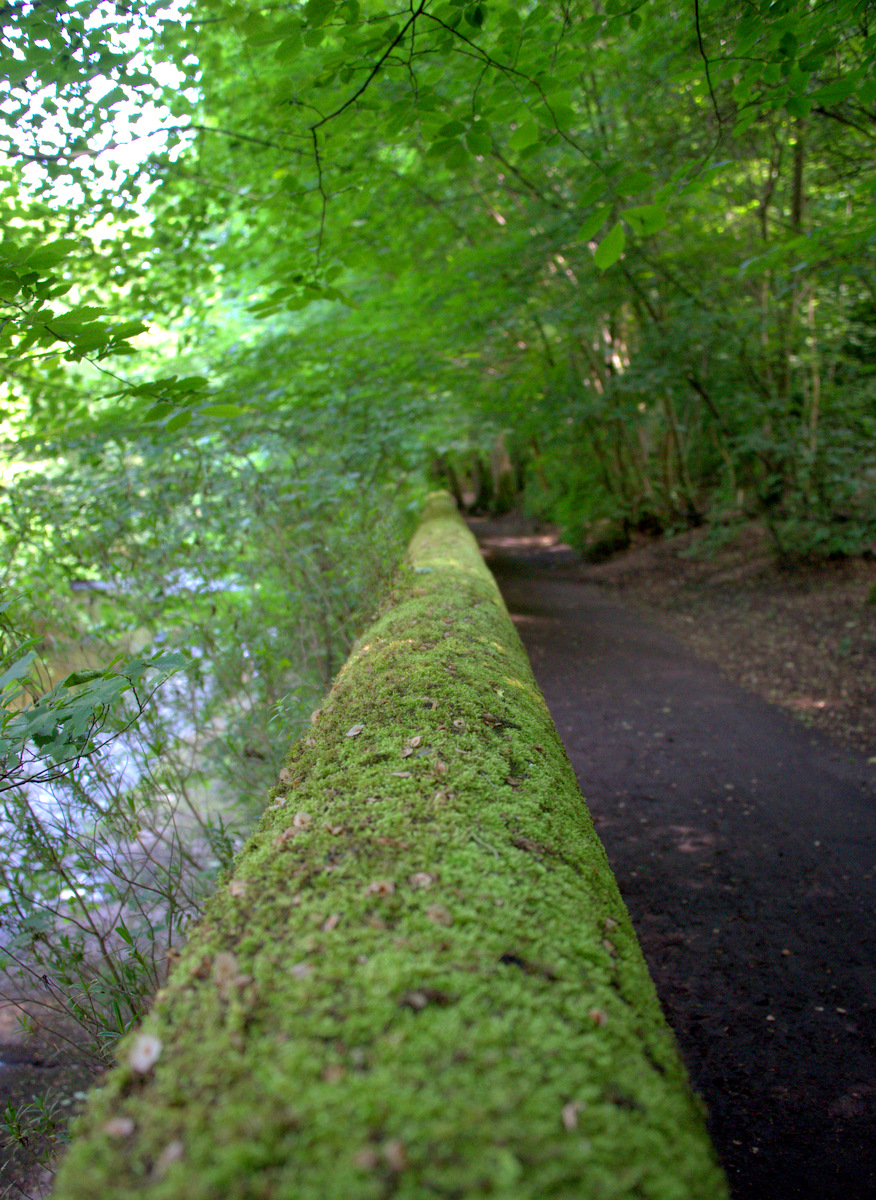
101,871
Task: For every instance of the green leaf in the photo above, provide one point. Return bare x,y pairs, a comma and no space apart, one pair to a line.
632,184
172,661
10,284
457,157
222,410
191,383
478,143
159,411
591,194
452,129
51,254
18,670
77,677
798,106
289,48
317,12
593,224
128,329
90,339
178,422
81,315
611,247
835,92
645,219
524,135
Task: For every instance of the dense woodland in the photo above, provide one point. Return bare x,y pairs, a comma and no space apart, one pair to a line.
270,272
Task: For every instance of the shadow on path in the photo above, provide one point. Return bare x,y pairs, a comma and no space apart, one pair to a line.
744,848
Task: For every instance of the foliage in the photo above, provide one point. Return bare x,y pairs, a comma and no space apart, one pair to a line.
250,564
264,268
49,738
34,1131
517,240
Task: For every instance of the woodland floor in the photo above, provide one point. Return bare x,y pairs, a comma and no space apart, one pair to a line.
742,835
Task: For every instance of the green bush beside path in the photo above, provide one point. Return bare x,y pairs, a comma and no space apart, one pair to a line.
421,980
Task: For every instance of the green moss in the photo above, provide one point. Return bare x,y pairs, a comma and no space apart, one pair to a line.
421,980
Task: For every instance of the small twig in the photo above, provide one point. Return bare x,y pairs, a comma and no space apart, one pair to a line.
705,59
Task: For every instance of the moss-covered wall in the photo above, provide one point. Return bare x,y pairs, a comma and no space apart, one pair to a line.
421,980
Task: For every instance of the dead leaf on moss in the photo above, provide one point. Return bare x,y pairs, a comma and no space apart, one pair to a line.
315,715
420,998
598,1017
301,820
421,879
224,969
458,723
285,775
415,1000
439,915
401,774
309,741
331,923
237,888
380,887
407,752
394,1155
144,1053
415,741
354,731
609,947
301,970
117,1127
335,830
570,1115
171,1153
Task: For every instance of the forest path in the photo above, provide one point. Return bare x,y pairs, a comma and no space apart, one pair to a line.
744,847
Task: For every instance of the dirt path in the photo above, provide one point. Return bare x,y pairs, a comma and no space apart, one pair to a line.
744,846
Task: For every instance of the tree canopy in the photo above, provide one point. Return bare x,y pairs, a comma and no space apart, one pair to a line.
635,237
634,241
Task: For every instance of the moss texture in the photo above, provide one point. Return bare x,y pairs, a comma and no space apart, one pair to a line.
421,980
